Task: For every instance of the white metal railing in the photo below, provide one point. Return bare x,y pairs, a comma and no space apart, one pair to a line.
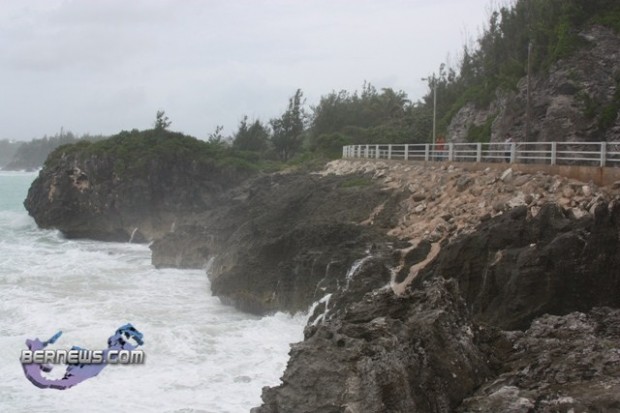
550,153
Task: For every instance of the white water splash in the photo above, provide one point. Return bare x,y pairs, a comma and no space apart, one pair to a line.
201,356
354,268
133,234
321,317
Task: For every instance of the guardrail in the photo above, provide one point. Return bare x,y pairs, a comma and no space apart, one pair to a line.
548,153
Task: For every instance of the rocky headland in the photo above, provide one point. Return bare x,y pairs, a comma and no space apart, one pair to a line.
433,288
133,186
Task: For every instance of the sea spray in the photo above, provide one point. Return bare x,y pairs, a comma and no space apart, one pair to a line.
202,356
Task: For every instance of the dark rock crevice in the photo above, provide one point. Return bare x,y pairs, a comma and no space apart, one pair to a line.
515,317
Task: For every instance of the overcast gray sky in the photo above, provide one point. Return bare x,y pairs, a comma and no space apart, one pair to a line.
104,66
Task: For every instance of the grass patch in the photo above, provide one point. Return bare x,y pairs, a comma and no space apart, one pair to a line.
356,182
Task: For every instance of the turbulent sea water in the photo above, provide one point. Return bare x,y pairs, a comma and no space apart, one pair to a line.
201,356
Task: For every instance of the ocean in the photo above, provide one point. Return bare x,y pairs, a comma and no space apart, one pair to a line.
201,356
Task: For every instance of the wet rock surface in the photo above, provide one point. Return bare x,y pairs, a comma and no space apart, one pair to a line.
519,314
283,241
385,354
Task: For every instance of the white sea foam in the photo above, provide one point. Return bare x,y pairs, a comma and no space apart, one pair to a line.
201,356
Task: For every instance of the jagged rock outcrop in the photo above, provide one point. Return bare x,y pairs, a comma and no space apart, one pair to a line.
458,325
415,353
281,241
560,364
568,102
518,267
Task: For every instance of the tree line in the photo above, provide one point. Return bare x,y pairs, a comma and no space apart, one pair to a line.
541,31
538,31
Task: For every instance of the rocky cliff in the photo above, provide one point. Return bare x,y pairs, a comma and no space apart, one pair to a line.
283,241
513,316
576,100
134,186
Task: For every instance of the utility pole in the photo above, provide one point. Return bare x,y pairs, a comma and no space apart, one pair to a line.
529,77
434,110
528,104
433,83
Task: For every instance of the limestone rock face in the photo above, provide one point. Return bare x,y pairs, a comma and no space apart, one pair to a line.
415,353
515,316
564,99
86,196
561,363
513,269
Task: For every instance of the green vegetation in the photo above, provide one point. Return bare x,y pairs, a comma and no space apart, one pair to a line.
536,31
356,182
251,138
135,150
161,120
608,15
288,128
548,28
609,113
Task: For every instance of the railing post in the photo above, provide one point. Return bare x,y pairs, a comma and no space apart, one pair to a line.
375,151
